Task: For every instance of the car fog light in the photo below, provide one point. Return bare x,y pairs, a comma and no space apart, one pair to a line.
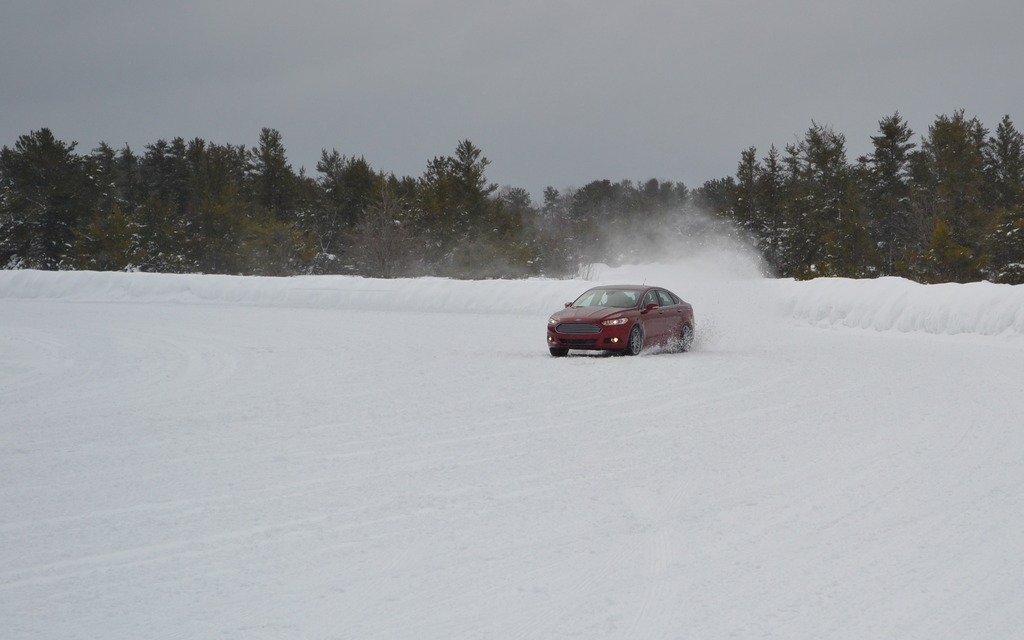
614,340
550,339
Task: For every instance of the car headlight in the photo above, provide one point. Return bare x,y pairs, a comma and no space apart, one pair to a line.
616,321
552,322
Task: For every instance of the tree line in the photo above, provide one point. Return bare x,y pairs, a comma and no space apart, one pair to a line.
947,207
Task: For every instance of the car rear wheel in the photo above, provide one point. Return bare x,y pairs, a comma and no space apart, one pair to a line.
686,338
558,352
636,341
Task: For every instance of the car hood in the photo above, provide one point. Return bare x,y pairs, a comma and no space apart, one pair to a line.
589,314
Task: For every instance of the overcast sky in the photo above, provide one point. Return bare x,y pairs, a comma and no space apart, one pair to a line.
555,93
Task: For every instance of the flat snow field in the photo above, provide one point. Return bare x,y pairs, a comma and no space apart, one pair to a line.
204,457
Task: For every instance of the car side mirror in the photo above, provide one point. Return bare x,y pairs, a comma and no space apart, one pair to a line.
568,304
649,307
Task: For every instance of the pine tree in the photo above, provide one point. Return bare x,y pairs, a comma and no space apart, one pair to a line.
774,233
166,174
109,243
946,260
272,178
45,196
1004,164
716,197
454,206
130,187
1005,167
101,167
955,150
1006,245
348,186
887,189
827,212
558,236
746,205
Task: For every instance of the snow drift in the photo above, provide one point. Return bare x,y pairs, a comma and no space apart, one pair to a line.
885,304
895,304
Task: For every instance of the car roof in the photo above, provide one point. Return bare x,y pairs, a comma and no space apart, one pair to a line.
628,287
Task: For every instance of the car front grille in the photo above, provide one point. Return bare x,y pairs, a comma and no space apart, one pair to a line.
578,328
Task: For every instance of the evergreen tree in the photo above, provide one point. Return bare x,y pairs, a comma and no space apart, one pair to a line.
755,203
559,239
165,173
593,209
1004,161
45,196
887,189
716,197
169,243
746,206
955,152
511,224
454,206
1006,245
129,182
946,260
773,234
827,214
658,197
109,243
101,167
273,181
1005,166
347,186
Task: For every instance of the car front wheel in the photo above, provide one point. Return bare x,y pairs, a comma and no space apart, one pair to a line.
635,342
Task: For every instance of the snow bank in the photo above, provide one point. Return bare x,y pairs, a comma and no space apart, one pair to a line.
326,292
885,304
896,304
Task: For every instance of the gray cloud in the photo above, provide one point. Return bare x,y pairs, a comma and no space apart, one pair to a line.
555,93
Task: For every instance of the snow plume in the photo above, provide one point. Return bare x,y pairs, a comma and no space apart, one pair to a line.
705,260
706,244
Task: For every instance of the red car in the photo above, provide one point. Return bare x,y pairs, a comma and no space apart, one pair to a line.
622,318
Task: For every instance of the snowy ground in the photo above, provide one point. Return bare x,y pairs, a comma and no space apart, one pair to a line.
215,457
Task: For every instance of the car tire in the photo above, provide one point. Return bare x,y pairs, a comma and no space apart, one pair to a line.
635,343
558,352
686,337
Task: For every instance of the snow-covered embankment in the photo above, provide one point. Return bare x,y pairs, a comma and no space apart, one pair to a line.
885,304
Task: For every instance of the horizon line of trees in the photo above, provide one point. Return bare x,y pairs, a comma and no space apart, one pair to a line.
947,207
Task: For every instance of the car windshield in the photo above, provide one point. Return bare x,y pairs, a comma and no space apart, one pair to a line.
621,298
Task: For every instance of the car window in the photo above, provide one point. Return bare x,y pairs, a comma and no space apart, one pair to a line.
666,298
650,298
587,299
595,298
622,299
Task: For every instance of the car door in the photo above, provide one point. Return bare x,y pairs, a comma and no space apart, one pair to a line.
655,322
672,315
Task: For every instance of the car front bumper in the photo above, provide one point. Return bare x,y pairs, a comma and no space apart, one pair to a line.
613,338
